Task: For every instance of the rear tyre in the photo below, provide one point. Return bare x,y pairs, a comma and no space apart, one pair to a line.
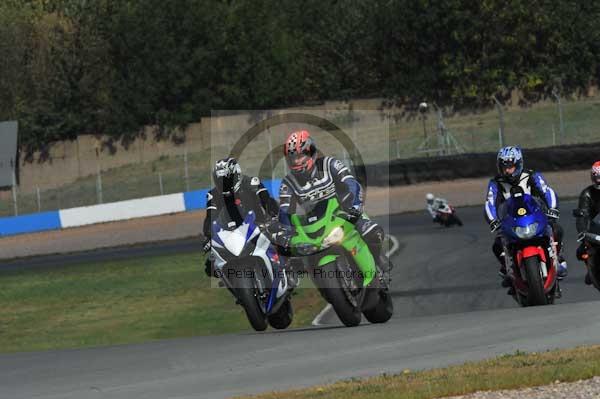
283,317
248,296
535,283
384,309
332,288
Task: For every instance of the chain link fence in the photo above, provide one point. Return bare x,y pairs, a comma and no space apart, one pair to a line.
442,132
96,175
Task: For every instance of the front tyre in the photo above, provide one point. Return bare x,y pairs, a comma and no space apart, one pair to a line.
335,291
247,294
535,282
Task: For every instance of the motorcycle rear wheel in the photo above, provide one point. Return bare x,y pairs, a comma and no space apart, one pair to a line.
283,317
384,309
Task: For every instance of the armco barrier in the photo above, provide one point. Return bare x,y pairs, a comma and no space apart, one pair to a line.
123,210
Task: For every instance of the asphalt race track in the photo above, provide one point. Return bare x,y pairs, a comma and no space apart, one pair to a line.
449,309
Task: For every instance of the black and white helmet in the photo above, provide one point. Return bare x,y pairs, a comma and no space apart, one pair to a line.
227,175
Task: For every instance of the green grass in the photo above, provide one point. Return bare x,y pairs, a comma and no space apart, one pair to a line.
476,132
122,302
512,371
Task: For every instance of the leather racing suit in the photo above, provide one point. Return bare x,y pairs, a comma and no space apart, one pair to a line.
329,178
532,183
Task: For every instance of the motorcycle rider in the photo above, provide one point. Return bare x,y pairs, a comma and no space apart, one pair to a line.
235,194
589,207
509,162
314,179
433,204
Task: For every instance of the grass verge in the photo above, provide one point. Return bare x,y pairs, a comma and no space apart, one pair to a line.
122,302
518,370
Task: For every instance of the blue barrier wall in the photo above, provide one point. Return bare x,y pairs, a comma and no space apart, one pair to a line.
194,200
273,187
29,223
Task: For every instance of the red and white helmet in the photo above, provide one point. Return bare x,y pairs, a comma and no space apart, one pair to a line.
300,151
595,174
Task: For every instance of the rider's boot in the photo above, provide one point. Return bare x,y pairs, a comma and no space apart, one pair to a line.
563,270
503,272
583,256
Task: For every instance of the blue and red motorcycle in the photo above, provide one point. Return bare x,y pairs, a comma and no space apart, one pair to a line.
530,249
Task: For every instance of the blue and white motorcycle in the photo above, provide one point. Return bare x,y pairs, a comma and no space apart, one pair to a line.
249,266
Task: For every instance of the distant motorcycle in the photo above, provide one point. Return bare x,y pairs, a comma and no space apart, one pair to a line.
530,248
242,256
446,215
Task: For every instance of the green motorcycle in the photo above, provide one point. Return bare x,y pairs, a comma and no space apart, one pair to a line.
341,264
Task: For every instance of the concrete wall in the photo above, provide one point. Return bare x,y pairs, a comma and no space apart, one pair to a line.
70,160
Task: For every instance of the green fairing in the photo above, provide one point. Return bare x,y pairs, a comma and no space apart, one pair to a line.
327,259
352,240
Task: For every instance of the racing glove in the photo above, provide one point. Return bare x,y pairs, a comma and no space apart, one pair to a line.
581,236
354,214
494,225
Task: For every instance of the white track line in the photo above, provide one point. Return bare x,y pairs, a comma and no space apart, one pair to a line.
322,313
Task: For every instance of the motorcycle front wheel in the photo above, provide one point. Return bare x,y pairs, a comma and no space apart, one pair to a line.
248,295
335,291
535,283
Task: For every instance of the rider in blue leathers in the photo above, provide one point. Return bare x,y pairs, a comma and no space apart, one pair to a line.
511,174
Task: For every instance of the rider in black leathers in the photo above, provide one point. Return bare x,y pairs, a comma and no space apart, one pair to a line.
589,208
235,194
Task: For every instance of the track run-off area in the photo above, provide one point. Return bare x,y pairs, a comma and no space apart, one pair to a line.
449,308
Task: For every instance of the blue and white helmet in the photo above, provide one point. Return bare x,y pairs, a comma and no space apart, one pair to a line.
507,157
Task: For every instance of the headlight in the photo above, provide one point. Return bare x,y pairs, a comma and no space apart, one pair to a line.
335,237
527,231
